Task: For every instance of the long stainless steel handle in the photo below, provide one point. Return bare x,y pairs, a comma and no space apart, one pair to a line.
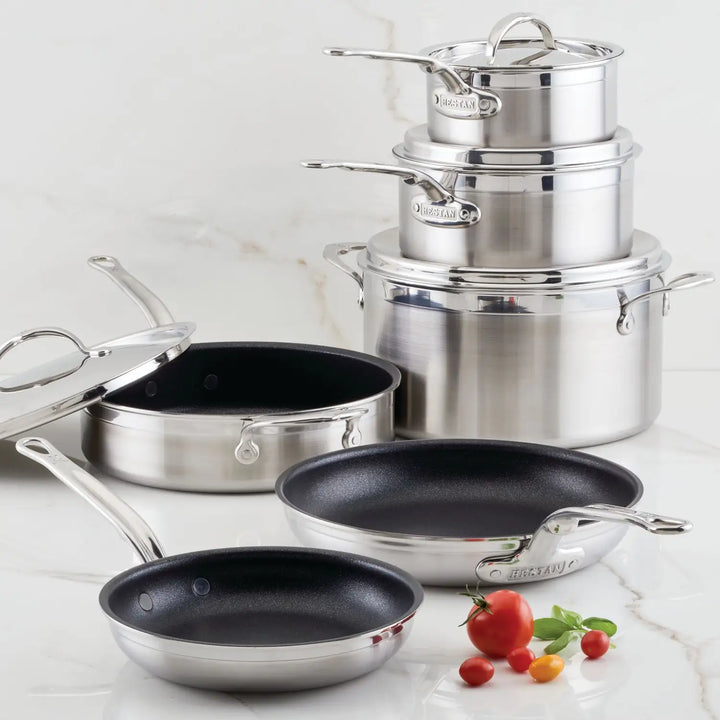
503,27
540,556
247,451
334,254
626,321
122,516
439,207
152,307
478,103
23,337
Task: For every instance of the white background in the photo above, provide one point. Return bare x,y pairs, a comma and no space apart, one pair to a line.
168,133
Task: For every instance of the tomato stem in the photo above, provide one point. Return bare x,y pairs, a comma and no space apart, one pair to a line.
481,604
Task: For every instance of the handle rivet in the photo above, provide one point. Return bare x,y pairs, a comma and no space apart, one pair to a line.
416,207
436,99
484,104
201,586
145,602
464,214
495,574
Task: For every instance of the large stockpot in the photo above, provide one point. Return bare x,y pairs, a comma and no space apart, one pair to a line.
220,417
569,357
501,93
511,208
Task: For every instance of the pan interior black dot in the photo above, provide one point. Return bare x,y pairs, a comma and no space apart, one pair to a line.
211,382
145,602
201,586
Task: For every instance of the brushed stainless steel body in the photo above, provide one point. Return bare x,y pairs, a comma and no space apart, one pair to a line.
537,355
515,92
235,452
217,665
555,210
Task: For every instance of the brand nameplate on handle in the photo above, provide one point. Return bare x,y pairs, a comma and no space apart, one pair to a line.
469,106
522,573
444,213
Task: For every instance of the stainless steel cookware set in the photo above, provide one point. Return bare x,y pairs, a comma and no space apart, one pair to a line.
515,304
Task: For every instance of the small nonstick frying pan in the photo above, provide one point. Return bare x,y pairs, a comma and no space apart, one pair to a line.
244,619
452,512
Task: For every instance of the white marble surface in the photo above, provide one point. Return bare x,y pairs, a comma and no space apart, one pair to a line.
58,659
169,133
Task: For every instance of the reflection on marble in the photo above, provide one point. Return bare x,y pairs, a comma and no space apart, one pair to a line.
58,658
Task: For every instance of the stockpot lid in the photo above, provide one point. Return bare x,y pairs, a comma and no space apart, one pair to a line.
85,376
418,148
383,257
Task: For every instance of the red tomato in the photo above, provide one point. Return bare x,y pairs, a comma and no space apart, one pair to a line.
499,622
595,643
520,658
476,671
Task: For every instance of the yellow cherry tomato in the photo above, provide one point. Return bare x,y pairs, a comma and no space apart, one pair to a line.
546,668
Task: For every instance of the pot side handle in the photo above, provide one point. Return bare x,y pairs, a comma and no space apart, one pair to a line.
478,103
334,254
626,321
122,516
541,557
247,451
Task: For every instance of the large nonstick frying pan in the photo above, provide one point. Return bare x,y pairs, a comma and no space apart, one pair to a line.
453,512
245,619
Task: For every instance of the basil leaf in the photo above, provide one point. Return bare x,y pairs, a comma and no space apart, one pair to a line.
562,642
596,623
573,619
549,628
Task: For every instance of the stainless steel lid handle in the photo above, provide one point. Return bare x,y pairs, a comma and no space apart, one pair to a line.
539,556
334,254
506,24
461,100
438,207
85,351
152,307
247,451
122,516
626,321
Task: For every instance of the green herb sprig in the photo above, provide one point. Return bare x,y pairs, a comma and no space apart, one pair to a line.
565,625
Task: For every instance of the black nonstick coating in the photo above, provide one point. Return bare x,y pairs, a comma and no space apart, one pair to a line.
261,596
257,378
453,488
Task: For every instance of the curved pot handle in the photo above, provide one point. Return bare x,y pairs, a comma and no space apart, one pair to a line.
539,555
247,451
460,100
503,26
122,516
626,321
152,307
85,352
438,207
334,253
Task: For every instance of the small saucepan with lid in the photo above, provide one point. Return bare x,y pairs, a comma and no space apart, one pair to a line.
519,92
244,619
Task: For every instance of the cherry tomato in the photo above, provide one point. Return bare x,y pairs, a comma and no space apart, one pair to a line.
546,668
476,671
499,622
595,643
520,659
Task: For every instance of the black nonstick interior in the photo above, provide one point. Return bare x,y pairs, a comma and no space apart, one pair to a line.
261,596
453,488
256,378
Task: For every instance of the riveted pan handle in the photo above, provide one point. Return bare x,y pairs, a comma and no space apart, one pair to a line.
506,24
23,337
334,254
122,516
247,451
540,557
460,101
152,307
438,207
626,321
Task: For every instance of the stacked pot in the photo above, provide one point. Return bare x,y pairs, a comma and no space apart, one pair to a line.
516,297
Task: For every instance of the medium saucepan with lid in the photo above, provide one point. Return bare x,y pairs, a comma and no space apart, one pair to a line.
455,511
511,208
244,619
221,417
519,92
565,356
